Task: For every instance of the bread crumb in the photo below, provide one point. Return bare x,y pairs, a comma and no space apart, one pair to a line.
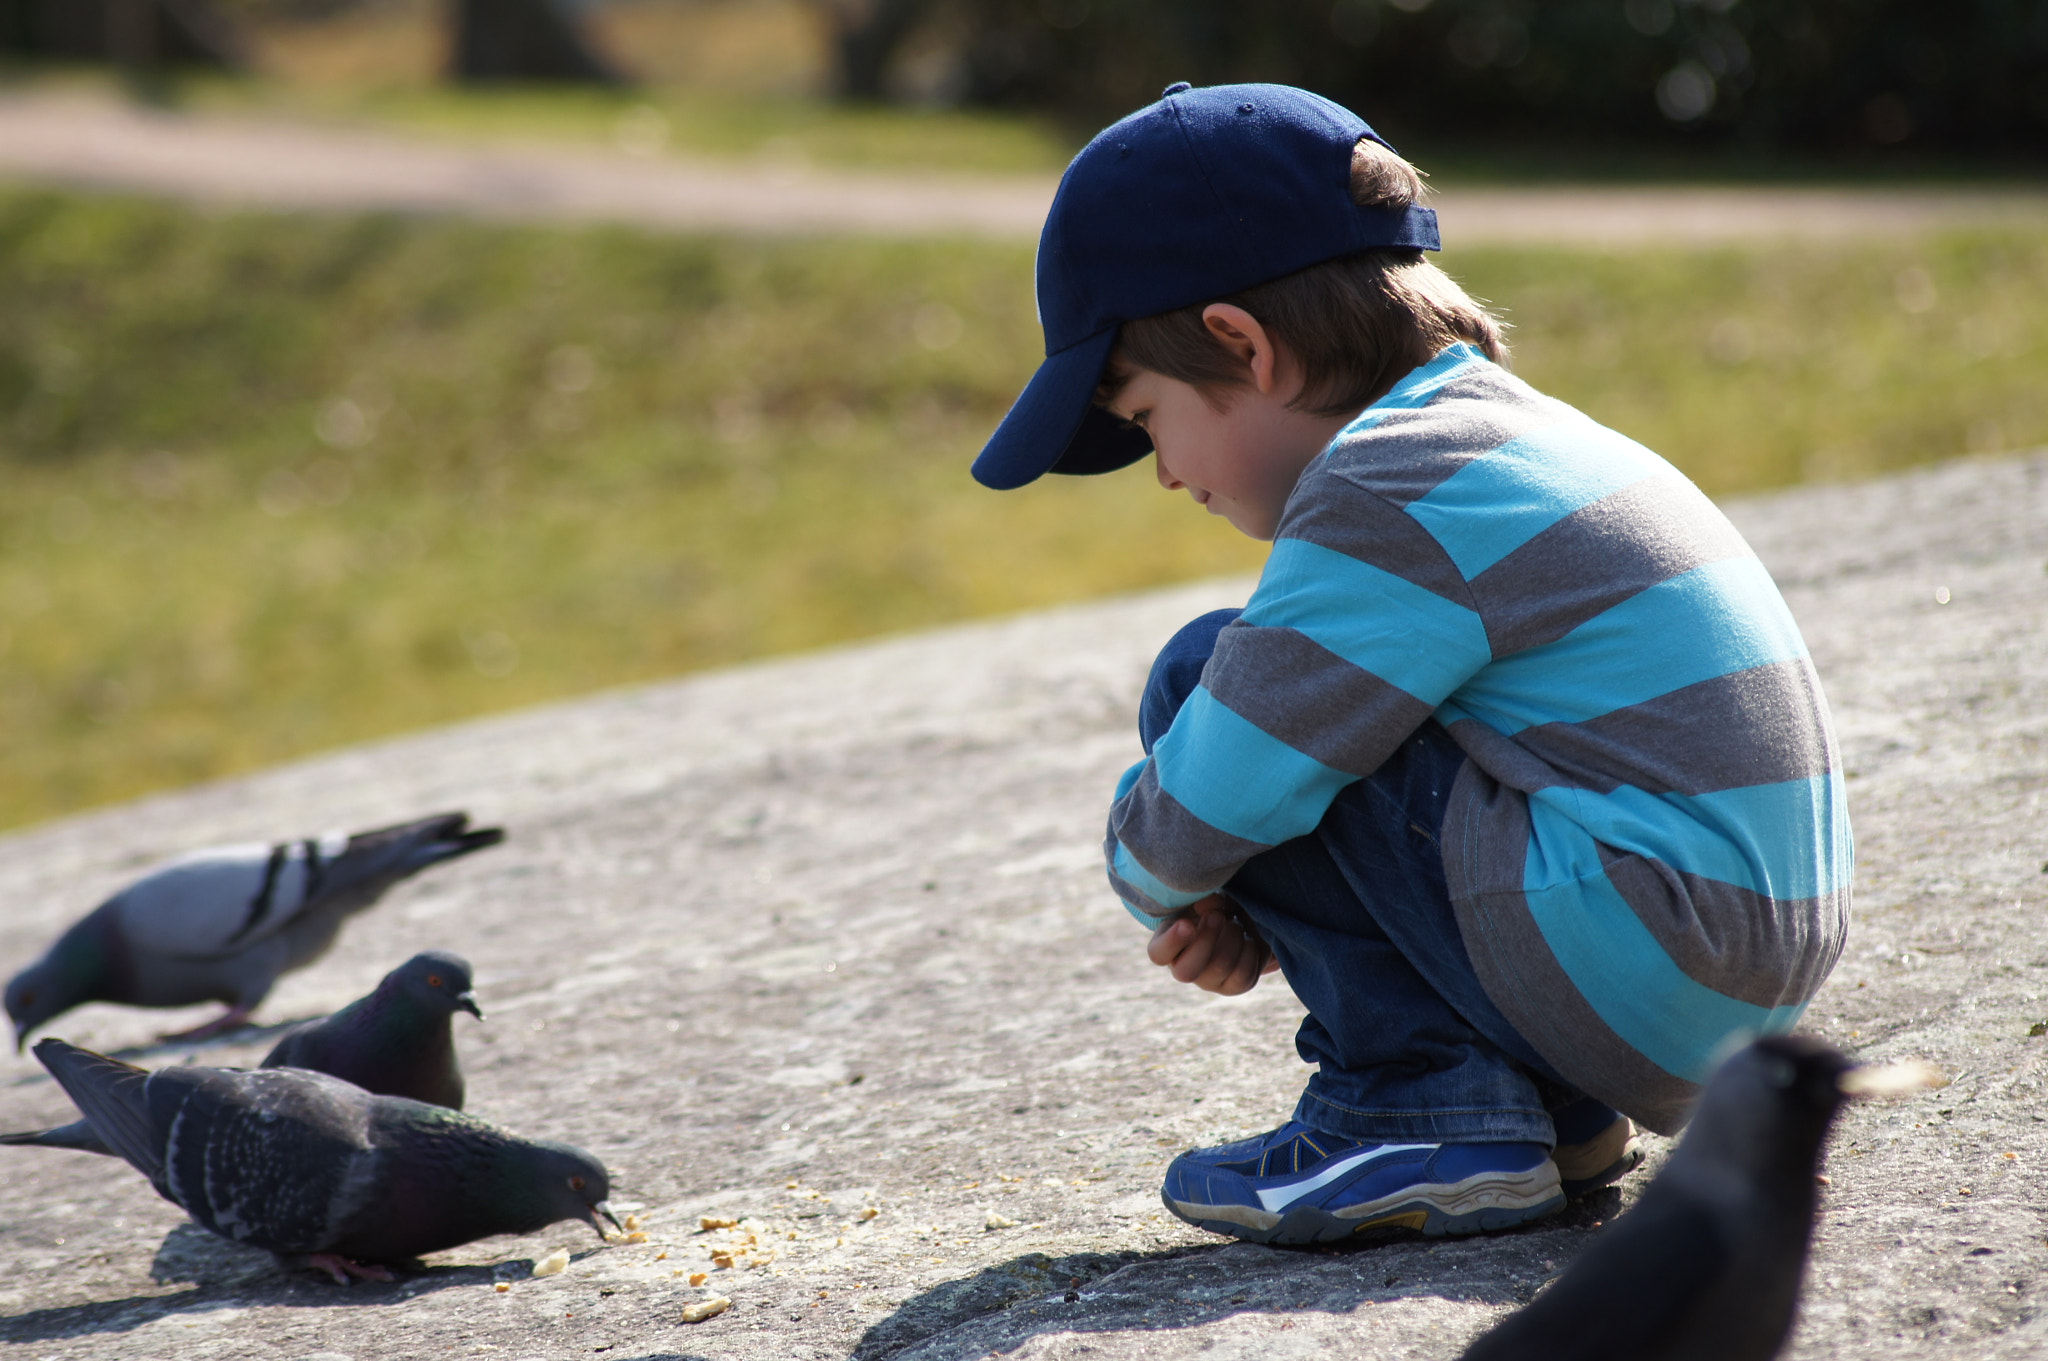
698,1277
703,1309
502,1287
706,1223
553,1264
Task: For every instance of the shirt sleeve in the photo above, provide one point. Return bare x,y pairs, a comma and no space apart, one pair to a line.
1335,661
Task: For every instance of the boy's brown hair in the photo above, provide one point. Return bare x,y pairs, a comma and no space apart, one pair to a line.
1355,324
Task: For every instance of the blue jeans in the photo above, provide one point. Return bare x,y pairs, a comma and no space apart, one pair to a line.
1409,1047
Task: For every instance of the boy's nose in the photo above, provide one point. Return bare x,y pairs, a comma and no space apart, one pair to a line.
1165,474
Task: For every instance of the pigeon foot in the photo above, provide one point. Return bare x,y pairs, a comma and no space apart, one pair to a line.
342,1269
234,1018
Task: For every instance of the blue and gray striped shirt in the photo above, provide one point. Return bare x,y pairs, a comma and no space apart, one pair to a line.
1648,850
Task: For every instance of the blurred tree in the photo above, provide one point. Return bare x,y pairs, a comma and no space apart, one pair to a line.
522,40
866,36
1964,75
140,36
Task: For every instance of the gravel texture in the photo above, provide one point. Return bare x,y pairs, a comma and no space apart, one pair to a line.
821,946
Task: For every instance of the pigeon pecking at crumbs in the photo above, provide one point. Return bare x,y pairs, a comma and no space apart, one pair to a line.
223,924
320,1172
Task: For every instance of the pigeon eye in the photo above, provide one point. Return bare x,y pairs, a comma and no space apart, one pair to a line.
575,1183
28,999
433,980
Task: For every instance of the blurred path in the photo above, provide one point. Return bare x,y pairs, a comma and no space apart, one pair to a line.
92,143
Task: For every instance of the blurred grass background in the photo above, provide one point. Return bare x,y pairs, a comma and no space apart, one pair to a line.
277,483
280,482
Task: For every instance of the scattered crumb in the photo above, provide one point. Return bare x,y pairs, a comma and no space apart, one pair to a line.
661,1256
552,1264
869,1213
637,1236
632,1222
706,1223
996,1221
703,1309
697,1277
502,1287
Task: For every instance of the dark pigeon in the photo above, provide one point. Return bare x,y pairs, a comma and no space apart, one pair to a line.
323,1173
223,924
399,1040
1706,1265
395,1042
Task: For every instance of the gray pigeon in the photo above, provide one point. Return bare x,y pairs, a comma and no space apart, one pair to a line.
394,1042
223,924
320,1172
398,1041
1706,1265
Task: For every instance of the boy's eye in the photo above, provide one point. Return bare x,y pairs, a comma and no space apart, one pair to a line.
1136,420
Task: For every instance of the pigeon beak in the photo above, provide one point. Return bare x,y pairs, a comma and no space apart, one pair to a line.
21,1037
467,1001
1891,1079
604,1208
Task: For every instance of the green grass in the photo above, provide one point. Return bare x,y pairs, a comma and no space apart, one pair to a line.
278,483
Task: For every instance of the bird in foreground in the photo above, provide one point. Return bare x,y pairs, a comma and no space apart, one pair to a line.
397,1041
223,924
320,1172
1706,1265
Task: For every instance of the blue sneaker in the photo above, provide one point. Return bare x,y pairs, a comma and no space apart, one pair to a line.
1302,1185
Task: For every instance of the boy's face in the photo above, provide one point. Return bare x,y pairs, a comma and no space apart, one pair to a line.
1240,462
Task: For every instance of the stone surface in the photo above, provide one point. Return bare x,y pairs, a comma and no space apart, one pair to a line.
797,942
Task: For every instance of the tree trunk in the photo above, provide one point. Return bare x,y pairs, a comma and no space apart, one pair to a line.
522,40
140,36
866,35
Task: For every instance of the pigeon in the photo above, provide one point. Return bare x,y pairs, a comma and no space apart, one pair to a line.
320,1172
223,924
1706,1265
394,1042
398,1040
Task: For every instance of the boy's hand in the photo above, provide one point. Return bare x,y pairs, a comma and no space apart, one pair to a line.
1212,947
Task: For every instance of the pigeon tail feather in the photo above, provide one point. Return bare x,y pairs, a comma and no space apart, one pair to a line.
79,1135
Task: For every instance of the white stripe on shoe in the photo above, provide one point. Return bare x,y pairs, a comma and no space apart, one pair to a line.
1280,1197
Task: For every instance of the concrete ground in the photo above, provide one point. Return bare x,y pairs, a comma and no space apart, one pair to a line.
77,141
821,946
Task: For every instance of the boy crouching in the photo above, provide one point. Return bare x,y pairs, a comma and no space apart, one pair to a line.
1514,764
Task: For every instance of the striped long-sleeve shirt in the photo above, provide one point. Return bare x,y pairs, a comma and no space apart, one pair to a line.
1648,849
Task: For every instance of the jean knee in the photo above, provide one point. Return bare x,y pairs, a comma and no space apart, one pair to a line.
1176,671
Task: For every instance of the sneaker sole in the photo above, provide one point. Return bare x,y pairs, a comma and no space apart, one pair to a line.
1485,1203
1585,1168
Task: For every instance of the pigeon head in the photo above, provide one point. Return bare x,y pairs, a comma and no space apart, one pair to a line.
438,981
1771,1104
570,1184
72,973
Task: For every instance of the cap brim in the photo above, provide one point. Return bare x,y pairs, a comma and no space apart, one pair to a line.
1055,426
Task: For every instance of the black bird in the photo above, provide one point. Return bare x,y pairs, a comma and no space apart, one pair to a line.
395,1042
1706,1265
398,1041
320,1172
222,924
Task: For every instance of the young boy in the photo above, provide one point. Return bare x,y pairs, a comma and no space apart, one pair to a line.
1514,764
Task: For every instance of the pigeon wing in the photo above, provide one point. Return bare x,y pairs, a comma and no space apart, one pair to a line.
1629,1297
216,904
270,1157
114,1099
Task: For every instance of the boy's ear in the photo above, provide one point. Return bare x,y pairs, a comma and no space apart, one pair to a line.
1239,332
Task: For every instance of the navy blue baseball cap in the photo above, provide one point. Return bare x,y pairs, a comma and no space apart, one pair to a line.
1203,194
